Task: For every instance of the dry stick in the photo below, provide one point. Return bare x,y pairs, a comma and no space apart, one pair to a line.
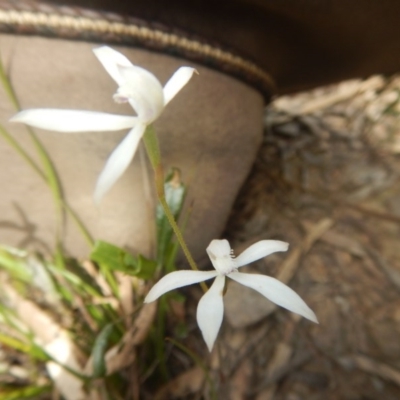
280,358
334,200
246,351
299,360
391,274
288,270
290,265
371,366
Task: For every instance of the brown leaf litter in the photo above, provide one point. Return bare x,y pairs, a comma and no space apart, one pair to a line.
328,155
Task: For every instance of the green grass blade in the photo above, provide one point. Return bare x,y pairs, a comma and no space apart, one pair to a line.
27,348
15,267
99,350
52,179
80,225
17,147
8,87
25,393
48,173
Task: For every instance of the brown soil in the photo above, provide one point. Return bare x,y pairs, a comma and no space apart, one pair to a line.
326,180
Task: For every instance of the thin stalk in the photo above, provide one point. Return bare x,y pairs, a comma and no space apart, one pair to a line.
177,232
153,151
179,235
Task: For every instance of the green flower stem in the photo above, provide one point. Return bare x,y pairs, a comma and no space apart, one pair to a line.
153,151
178,233
152,147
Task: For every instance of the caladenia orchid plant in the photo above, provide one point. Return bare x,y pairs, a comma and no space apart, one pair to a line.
211,308
148,98
136,86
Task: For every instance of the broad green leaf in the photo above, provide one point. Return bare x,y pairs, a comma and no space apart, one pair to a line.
113,258
146,267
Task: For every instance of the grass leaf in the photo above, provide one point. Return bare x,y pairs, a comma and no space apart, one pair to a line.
99,349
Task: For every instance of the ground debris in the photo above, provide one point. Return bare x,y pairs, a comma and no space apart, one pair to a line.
329,154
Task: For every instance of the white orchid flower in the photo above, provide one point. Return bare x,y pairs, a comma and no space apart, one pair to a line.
140,88
211,308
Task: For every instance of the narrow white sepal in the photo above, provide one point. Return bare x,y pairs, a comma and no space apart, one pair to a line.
175,280
110,59
118,162
260,250
177,81
210,311
277,292
73,120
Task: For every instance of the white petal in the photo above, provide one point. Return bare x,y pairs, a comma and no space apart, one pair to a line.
210,311
144,92
119,161
175,280
111,59
177,81
73,120
259,250
275,291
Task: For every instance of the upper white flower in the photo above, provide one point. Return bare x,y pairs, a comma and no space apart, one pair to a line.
211,308
140,88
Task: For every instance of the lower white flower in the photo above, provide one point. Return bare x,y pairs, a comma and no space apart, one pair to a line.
210,310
